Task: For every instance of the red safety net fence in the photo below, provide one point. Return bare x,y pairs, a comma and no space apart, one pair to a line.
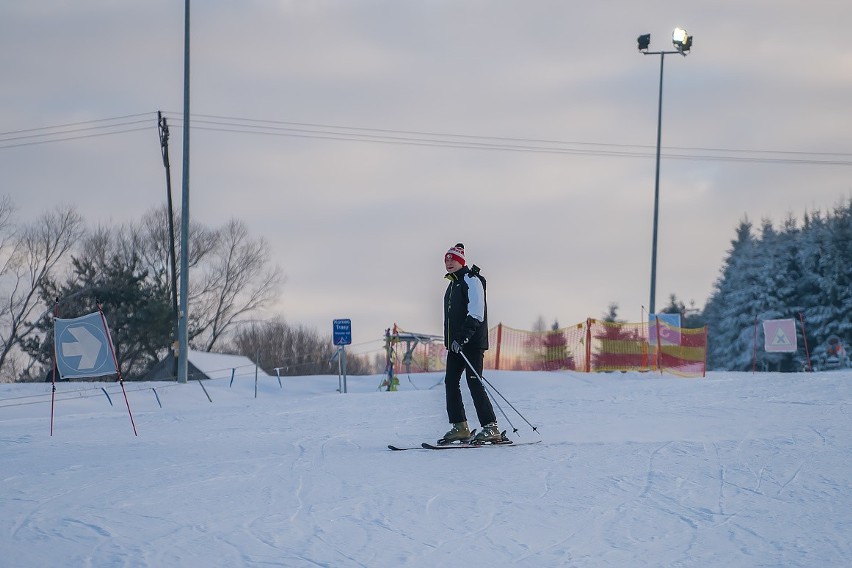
589,346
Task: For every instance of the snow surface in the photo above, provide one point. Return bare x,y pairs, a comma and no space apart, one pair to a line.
634,470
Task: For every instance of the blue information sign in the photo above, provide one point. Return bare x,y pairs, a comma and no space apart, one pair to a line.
342,331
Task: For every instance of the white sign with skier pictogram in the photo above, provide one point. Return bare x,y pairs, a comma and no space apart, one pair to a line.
780,335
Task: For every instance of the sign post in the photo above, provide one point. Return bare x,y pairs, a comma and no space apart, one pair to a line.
342,336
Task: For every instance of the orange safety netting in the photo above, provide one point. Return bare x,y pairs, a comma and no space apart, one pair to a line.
617,346
554,350
686,354
590,346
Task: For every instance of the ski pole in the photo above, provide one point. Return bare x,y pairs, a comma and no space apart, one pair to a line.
481,378
500,408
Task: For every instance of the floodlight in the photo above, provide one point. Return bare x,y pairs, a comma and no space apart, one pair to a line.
681,40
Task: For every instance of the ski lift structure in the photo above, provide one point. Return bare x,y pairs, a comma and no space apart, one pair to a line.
411,340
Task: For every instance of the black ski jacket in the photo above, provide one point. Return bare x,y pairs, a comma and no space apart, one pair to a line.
466,309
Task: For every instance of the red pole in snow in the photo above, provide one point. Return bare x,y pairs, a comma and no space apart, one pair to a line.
117,369
53,372
754,351
499,345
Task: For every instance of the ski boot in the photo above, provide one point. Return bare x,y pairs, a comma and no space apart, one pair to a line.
458,433
490,434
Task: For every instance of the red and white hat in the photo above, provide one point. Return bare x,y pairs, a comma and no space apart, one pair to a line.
456,253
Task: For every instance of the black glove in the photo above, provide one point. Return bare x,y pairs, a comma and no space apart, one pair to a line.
455,346
471,324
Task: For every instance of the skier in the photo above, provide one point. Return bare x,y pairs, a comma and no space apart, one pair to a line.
835,354
466,331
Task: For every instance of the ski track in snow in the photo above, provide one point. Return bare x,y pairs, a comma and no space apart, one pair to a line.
634,470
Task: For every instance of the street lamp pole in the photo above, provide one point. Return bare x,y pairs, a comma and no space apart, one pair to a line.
652,302
183,320
682,43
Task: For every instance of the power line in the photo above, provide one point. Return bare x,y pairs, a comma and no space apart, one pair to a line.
68,138
319,131
536,140
81,123
75,131
529,145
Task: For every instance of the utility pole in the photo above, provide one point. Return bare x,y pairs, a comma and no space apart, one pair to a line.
164,146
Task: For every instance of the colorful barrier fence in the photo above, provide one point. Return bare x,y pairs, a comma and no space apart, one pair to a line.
590,346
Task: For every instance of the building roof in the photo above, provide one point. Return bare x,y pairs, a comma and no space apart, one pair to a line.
204,365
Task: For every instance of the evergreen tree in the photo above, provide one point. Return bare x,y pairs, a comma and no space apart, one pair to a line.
775,280
556,351
137,310
783,274
675,306
615,340
691,318
732,307
611,315
834,270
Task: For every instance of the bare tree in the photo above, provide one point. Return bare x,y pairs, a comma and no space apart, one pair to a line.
7,229
238,281
150,241
30,254
7,247
292,350
230,273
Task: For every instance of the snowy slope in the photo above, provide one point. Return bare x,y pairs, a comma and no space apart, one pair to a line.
634,470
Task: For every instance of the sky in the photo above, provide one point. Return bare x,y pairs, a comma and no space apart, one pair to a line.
633,469
362,139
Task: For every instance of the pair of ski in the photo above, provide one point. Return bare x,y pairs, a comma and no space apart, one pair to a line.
469,443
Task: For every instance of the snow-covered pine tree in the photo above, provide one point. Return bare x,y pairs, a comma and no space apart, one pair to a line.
734,303
833,314
780,275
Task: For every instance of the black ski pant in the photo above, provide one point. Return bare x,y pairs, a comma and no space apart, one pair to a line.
452,381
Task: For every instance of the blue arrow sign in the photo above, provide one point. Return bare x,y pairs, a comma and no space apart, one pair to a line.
342,331
83,347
